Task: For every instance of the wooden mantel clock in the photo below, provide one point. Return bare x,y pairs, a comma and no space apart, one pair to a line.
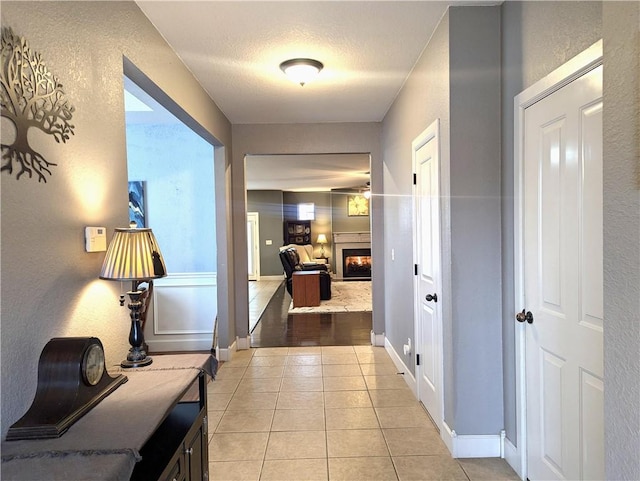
72,379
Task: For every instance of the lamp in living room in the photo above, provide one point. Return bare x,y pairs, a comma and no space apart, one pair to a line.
322,240
133,255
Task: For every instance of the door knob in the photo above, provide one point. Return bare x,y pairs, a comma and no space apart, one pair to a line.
430,297
521,317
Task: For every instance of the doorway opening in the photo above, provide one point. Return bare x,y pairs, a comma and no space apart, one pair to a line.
276,187
171,175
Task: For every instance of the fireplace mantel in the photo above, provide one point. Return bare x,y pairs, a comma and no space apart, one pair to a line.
348,240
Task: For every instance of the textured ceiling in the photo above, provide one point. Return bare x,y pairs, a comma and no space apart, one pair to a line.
235,48
310,173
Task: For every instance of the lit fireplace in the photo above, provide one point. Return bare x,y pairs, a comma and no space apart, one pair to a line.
356,263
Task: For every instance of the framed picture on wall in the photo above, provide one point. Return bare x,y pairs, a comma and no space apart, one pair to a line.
357,205
137,213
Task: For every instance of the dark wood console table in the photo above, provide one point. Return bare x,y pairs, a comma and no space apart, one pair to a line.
152,427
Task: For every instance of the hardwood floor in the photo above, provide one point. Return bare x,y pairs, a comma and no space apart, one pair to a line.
276,328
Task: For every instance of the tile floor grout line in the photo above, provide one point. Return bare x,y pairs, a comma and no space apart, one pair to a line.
325,409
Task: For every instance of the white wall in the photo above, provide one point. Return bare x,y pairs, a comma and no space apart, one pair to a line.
177,167
50,286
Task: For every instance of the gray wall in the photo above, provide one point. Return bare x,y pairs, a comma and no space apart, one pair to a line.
621,31
50,285
341,220
306,139
457,80
424,98
474,177
268,204
537,37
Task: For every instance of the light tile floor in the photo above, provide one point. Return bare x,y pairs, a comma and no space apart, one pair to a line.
326,413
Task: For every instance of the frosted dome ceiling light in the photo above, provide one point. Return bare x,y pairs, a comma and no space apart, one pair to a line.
301,70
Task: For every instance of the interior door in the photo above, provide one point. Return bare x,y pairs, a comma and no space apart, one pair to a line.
253,246
427,257
563,282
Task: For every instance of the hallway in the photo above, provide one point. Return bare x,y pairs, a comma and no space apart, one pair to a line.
326,413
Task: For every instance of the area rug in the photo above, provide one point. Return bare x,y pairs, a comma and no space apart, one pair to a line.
350,296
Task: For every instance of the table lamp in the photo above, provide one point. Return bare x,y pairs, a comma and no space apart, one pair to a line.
133,255
322,240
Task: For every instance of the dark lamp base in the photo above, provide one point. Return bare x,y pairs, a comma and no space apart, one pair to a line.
139,363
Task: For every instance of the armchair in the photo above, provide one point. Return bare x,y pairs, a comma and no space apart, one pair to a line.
305,253
291,263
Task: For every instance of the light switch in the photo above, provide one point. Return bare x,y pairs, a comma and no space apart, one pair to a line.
268,242
95,239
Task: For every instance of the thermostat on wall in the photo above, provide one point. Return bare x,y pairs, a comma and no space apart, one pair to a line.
95,239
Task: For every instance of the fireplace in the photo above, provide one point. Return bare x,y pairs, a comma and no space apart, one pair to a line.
356,263
350,241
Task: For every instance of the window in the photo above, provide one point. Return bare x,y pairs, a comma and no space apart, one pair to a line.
306,211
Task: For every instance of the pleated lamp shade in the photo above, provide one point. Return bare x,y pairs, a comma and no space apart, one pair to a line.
133,254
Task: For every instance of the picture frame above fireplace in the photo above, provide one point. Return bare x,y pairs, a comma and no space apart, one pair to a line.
357,205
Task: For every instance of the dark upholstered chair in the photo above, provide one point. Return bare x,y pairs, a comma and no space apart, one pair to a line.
291,263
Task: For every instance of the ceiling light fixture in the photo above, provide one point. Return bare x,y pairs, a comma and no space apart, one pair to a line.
301,70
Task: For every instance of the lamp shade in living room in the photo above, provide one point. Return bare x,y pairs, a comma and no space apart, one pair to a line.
133,254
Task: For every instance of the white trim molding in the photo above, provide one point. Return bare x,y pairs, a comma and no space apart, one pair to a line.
472,445
460,446
243,343
377,339
401,367
226,354
280,277
591,58
512,456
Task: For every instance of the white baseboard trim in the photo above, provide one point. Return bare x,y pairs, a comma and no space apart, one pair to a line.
226,354
512,457
271,278
378,339
161,345
243,343
409,378
472,445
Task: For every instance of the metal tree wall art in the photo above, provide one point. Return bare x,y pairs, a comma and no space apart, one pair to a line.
31,97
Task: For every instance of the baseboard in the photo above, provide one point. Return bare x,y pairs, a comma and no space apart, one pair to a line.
271,278
378,339
472,445
243,343
512,457
409,378
226,354
173,345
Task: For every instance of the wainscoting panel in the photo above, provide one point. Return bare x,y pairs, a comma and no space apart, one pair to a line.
184,309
